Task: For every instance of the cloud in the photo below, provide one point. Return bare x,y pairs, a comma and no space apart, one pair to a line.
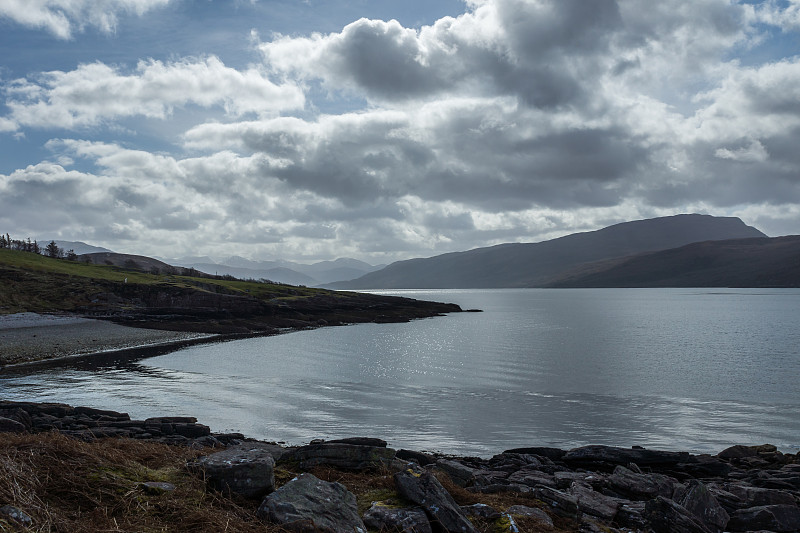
94,93
63,17
537,51
515,121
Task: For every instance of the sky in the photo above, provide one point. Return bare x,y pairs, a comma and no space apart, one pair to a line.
381,130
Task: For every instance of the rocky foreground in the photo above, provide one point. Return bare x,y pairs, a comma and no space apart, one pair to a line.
591,489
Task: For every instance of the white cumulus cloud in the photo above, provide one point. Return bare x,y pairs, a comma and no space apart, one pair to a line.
63,18
96,92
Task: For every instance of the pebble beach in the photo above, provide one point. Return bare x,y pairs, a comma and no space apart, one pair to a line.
30,337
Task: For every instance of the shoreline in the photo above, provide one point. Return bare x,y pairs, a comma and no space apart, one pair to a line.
31,339
593,488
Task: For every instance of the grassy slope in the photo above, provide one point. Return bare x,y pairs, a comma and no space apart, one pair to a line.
30,282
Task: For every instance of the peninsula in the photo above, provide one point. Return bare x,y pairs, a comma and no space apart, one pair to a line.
73,307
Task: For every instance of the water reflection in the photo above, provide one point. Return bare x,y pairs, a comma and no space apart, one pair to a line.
669,369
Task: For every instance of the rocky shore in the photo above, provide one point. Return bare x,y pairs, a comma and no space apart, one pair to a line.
361,484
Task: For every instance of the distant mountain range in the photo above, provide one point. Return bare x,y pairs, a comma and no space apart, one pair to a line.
281,271
555,261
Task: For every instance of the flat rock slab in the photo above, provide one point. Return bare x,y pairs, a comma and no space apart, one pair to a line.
308,504
244,470
624,456
340,455
425,490
779,518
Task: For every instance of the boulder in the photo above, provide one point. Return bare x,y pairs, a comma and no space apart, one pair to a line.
778,518
425,490
156,488
244,470
8,425
735,496
460,474
531,512
640,486
15,516
339,455
593,503
623,456
532,478
699,501
561,503
308,504
481,510
386,518
666,516
420,458
554,454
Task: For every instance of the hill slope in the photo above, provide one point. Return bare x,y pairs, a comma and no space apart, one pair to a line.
539,264
31,282
760,262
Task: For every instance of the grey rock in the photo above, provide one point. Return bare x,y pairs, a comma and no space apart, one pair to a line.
699,501
8,425
384,518
420,458
631,515
533,478
640,486
561,503
554,454
481,510
157,487
564,480
531,512
593,503
623,456
735,496
308,504
425,490
666,516
460,474
779,518
16,515
339,455
244,470
361,441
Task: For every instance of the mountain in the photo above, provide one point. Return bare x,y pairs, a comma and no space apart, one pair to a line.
758,262
539,264
276,274
282,271
78,247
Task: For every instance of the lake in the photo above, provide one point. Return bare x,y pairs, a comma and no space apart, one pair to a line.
689,369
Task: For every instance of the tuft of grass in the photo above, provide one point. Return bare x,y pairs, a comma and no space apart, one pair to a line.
67,485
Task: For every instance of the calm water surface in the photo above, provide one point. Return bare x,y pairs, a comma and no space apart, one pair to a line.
689,369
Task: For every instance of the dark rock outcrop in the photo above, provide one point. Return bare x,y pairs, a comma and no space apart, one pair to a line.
308,504
242,469
340,455
425,490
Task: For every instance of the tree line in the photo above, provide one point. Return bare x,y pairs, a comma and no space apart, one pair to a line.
27,245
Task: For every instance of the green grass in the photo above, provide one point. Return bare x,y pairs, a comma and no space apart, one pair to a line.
32,282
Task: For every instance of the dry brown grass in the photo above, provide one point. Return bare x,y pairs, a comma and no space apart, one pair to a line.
67,485
73,486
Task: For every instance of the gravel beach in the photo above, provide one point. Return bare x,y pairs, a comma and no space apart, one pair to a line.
28,337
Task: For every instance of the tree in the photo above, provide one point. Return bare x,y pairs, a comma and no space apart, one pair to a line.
72,256
52,250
